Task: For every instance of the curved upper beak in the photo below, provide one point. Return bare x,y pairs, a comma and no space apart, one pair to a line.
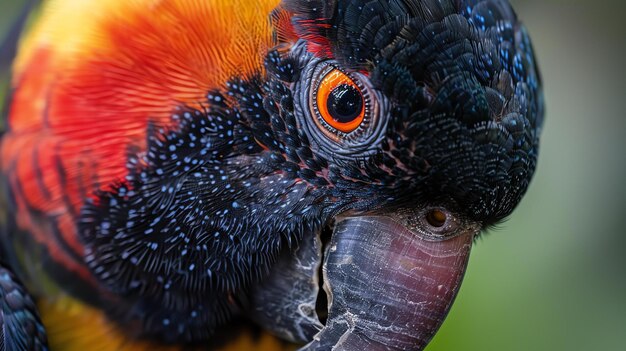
387,287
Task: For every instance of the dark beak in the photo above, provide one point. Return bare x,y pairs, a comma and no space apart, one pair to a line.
387,286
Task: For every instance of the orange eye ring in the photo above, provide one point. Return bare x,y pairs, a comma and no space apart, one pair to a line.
340,102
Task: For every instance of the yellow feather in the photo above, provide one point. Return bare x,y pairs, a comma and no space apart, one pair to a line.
74,326
74,29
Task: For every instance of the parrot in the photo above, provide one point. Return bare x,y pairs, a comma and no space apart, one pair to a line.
256,175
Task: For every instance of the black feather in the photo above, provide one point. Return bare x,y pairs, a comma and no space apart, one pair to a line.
208,207
20,326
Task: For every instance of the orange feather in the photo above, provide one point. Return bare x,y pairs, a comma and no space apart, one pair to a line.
89,78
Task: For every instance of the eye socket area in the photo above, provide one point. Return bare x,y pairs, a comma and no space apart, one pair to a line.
434,222
342,112
439,222
340,102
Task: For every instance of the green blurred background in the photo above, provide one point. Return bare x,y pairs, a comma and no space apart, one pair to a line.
554,276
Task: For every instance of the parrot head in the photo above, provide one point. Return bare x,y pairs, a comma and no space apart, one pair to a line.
417,126
332,195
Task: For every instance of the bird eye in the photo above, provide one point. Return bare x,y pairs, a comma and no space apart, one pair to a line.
436,218
433,223
341,112
339,102
439,221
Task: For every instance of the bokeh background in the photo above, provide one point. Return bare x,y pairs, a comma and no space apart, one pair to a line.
554,276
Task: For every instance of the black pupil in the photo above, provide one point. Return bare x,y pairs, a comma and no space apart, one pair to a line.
345,103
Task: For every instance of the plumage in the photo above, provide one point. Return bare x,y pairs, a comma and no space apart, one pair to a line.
162,156
84,91
74,326
21,326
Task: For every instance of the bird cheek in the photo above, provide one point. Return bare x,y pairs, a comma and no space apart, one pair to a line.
286,301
